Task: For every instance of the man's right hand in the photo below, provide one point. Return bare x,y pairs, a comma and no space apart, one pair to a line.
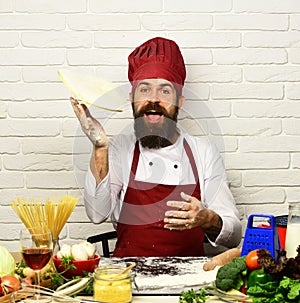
90,126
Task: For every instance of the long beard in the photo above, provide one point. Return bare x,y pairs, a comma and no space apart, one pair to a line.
155,135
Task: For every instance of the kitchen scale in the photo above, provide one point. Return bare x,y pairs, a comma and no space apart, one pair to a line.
261,232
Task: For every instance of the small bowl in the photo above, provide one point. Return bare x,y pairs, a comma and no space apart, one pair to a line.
81,266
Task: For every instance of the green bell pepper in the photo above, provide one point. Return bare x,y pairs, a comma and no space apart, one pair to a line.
258,276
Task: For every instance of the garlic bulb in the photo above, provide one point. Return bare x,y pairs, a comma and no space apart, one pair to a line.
90,249
79,252
64,251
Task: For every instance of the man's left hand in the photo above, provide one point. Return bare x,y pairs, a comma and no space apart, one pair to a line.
190,214
186,215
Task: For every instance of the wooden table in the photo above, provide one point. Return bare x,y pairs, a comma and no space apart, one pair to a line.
136,298
156,299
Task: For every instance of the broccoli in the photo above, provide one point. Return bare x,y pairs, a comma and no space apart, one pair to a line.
230,276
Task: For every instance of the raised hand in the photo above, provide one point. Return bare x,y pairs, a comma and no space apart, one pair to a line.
90,126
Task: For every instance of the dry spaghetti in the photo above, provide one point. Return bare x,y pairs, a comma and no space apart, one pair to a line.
55,213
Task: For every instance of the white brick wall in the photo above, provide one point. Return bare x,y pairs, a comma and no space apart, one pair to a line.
242,90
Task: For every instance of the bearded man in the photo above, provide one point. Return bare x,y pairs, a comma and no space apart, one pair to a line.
165,191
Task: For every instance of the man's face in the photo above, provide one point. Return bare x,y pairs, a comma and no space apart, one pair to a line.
155,109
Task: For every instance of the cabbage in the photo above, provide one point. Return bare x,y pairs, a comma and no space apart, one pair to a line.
7,262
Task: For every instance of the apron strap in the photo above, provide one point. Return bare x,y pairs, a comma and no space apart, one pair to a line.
192,159
135,160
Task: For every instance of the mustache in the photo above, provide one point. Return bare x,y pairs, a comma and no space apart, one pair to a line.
149,108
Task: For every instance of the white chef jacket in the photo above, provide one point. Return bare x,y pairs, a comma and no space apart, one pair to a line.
169,165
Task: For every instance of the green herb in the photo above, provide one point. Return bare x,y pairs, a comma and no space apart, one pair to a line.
58,279
19,268
192,296
66,263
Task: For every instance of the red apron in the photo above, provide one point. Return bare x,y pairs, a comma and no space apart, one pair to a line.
140,228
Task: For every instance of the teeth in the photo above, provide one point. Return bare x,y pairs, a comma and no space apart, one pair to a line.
153,112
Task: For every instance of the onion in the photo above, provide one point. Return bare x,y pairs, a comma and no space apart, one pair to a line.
10,283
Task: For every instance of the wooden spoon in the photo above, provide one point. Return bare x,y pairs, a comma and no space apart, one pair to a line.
127,269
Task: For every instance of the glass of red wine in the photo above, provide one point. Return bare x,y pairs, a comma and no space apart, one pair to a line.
36,249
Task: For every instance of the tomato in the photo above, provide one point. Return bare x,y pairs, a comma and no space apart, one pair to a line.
252,260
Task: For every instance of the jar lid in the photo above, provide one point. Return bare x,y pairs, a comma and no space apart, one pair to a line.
111,273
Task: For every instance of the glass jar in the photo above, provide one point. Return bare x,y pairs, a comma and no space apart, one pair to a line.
293,230
111,285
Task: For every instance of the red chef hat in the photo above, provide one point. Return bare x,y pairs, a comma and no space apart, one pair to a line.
157,58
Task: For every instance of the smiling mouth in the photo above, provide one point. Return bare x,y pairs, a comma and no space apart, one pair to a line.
153,112
153,116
